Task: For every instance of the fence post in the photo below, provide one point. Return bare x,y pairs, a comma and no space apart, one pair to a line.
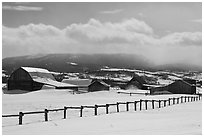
199,97
185,99
146,104
159,103
169,101
117,106
130,94
173,101
191,99
65,112
95,112
140,104
135,105
188,99
152,104
164,103
181,99
107,108
46,115
177,100
20,118
194,98
127,106
81,111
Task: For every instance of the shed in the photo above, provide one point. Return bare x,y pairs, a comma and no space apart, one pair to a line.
178,87
181,87
98,85
31,79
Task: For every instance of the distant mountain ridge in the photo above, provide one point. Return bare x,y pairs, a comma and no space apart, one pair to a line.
86,62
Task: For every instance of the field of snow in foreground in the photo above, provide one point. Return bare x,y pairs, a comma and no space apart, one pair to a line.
185,118
174,120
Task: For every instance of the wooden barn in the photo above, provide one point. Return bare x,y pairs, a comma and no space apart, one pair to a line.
178,87
98,85
31,79
190,81
135,83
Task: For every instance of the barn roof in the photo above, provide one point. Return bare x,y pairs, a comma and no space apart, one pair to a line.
55,83
101,82
44,76
138,78
79,82
38,73
183,82
31,69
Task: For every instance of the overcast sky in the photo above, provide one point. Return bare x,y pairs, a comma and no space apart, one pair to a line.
162,32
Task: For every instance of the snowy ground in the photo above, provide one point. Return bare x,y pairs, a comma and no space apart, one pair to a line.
184,118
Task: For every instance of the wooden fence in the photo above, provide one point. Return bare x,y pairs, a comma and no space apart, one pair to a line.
131,93
164,103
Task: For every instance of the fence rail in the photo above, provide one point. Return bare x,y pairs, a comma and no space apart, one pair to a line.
131,93
141,102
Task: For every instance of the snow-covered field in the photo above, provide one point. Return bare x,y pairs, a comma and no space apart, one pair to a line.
184,118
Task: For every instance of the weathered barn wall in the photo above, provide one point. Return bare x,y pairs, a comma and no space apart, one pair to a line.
97,86
178,87
20,79
181,87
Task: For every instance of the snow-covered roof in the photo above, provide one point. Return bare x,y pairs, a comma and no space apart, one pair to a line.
101,82
31,69
152,85
79,82
51,82
44,76
38,73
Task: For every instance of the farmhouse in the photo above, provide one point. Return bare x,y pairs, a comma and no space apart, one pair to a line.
178,87
98,85
31,79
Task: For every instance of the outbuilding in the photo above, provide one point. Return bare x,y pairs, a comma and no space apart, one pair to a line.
136,82
178,87
98,85
31,79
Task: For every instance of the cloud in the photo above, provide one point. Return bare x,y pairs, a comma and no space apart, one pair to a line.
141,15
21,8
111,11
197,20
183,39
95,31
128,36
